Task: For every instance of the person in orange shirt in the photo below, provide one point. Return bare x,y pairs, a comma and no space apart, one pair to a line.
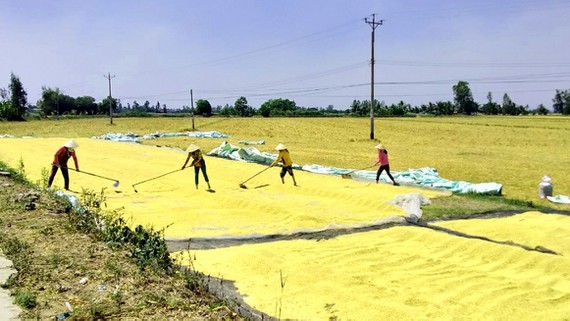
287,164
198,162
60,162
384,163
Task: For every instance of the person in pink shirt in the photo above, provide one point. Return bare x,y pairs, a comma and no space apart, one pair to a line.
384,163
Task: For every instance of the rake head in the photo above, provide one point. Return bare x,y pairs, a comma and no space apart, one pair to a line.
243,186
116,184
134,188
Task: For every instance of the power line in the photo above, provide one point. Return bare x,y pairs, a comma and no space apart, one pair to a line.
453,9
309,91
474,64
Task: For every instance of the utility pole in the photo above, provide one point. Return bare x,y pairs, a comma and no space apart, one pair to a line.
192,106
372,24
109,77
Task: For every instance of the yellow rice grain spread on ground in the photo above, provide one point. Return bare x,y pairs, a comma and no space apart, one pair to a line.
400,273
397,273
266,207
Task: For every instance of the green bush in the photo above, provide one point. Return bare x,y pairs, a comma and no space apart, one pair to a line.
26,300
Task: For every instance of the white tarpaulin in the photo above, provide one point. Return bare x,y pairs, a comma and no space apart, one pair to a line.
426,176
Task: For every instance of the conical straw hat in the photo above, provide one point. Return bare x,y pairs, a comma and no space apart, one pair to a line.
71,144
192,148
280,147
379,146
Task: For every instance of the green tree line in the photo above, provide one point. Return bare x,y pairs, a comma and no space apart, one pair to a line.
53,102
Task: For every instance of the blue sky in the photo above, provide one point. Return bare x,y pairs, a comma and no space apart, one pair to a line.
314,52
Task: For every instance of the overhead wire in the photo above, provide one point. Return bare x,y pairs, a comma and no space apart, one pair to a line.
265,90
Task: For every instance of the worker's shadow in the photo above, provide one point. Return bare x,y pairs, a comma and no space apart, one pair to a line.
261,186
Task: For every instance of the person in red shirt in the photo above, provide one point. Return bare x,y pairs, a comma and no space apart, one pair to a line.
60,161
384,164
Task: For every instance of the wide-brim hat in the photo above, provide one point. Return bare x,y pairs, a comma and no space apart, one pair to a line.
379,146
192,148
71,144
546,179
280,147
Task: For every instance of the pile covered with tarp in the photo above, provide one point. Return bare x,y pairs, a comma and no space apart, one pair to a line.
244,154
131,137
426,176
250,142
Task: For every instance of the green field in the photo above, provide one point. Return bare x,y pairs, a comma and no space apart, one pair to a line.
513,151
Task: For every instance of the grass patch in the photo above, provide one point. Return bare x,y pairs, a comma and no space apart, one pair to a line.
26,300
461,206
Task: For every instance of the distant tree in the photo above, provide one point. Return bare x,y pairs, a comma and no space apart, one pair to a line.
464,102
491,107
562,102
18,98
164,108
54,102
558,105
14,100
242,107
523,110
136,106
441,108
5,104
119,108
508,107
359,108
86,105
104,105
157,107
146,106
203,107
541,110
228,110
67,105
566,110
48,103
398,109
277,107
265,110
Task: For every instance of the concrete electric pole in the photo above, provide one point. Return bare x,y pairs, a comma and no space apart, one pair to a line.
192,106
109,77
372,24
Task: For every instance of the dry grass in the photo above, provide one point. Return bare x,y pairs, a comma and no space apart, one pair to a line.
52,257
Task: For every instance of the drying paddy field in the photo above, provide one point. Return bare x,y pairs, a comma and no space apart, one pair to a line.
333,248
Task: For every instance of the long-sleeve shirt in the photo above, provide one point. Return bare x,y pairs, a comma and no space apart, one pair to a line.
62,156
382,157
197,157
284,158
